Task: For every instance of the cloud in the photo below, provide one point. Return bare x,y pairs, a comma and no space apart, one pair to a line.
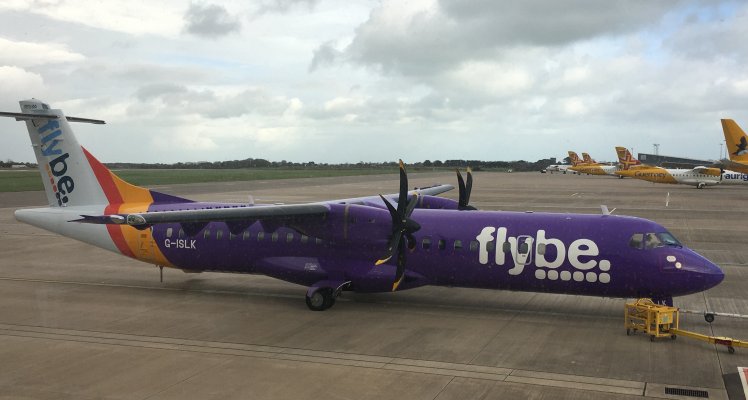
428,36
19,83
27,54
138,17
282,6
210,21
168,98
324,55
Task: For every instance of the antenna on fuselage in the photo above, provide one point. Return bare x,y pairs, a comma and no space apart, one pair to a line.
605,210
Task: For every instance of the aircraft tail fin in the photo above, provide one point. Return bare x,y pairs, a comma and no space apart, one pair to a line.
587,159
737,141
625,158
574,158
71,175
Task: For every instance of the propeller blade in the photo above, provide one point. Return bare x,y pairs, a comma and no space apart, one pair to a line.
411,205
393,213
461,187
468,186
465,189
400,272
391,246
411,241
402,200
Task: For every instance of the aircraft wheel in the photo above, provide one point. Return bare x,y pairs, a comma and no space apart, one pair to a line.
652,338
628,331
709,317
700,185
731,349
320,300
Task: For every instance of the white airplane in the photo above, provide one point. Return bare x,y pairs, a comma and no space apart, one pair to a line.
562,168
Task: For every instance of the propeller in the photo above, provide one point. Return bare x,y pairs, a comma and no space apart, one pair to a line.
402,227
465,189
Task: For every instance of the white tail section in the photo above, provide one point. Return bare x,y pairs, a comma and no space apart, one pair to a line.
68,177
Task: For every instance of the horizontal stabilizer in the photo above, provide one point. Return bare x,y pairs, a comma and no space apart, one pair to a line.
28,117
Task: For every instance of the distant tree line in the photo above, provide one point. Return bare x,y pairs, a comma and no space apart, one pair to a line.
476,165
11,163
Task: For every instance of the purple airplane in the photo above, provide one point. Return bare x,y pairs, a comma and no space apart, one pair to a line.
367,244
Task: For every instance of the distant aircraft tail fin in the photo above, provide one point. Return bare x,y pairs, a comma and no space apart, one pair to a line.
71,175
625,158
574,158
587,159
737,141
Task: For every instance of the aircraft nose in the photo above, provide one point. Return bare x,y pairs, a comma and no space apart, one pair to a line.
709,274
712,274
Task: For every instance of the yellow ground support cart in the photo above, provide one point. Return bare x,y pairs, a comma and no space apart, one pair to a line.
660,321
656,320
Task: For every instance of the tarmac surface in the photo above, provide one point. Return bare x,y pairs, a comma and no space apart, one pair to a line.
77,322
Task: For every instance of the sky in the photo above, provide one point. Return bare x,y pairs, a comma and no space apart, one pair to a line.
343,81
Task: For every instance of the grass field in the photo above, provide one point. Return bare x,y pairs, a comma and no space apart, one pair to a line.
19,181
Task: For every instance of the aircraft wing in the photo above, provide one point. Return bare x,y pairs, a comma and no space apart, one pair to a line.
228,214
278,214
428,191
707,170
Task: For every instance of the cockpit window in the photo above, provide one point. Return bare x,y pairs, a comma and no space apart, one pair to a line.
637,241
667,239
653,240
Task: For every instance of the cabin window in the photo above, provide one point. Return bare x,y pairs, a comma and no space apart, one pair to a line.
260,236
274,237
524,248
289,237
304,238
441,244
458,244
506,247
219,234
231,236
169,232
206,234
541,249
490,246
637,241
426,243
245,235
473,245
181,233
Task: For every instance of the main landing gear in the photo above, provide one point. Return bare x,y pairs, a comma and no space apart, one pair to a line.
322,295
320,300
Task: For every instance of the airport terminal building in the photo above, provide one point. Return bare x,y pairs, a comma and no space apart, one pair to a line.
672,162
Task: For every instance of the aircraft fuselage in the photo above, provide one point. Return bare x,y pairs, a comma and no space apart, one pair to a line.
600,255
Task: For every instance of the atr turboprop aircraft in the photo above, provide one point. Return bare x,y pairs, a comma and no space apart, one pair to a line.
700,177
737,146
589,166
365,244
